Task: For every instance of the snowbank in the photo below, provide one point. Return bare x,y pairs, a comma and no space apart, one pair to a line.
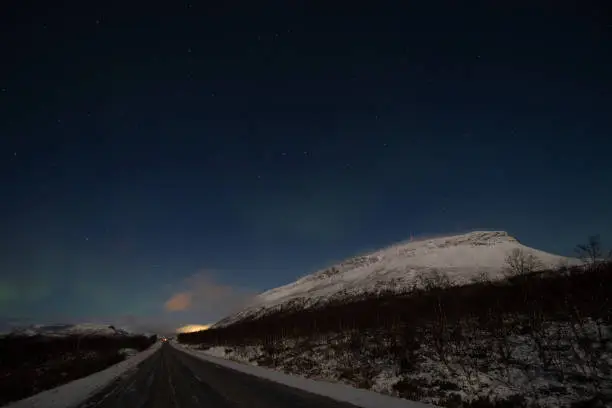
76,392
339,392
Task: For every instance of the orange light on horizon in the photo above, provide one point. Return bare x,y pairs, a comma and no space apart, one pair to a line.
190,328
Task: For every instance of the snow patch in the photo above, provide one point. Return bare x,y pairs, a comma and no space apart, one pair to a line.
216,352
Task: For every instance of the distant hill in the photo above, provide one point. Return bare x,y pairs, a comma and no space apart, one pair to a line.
64,330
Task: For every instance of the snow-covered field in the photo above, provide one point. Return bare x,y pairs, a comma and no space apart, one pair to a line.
461,258
78,391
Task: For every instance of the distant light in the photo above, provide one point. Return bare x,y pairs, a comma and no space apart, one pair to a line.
190,328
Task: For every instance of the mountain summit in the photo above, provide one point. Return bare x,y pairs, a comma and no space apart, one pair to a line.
460,257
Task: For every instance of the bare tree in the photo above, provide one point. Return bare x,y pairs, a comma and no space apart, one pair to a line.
521,263
591,252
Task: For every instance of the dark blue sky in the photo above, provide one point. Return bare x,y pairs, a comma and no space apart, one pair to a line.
159,150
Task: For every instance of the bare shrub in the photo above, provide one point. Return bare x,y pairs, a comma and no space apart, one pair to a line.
482,277
591,253
521,263
434,279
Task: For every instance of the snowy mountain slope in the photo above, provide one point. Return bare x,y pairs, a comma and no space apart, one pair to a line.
61,330
460,257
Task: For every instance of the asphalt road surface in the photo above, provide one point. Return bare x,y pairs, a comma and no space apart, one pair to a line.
171,378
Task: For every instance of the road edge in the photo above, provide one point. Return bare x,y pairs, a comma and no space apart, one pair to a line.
339,392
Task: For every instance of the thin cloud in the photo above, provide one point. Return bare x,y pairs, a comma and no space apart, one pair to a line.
180,301
202,299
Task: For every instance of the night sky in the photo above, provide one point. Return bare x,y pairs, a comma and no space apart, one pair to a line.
160,163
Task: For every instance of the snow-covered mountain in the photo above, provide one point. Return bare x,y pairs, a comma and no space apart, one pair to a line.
460,257
61,330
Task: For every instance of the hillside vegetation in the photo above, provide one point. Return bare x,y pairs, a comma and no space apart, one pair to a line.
535,338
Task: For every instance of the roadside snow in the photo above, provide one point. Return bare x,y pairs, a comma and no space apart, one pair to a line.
216,352
76,392
514,366
340,392
128,352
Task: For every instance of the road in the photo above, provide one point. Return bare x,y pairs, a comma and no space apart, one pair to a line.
171,378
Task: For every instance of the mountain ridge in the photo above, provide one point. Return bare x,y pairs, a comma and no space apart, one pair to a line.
64,330
461,257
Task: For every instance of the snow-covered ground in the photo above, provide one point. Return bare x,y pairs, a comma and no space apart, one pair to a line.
461,258
78,391
337,391
128,352
550,368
